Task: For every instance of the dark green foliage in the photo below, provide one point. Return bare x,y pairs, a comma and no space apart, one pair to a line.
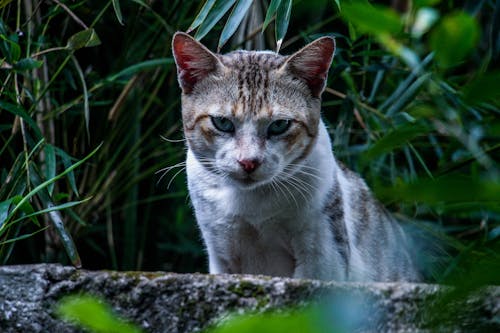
412,104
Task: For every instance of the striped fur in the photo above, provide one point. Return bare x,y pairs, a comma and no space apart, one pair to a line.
277,202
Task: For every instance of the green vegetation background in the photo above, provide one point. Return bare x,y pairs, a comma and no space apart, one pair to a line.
90,123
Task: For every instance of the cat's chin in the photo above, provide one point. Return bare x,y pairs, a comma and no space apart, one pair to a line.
246,183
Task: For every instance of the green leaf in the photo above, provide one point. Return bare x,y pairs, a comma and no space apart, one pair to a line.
201,15
15,49
66,159
86,108
18,111
273,7
454,38
118,11
282,21
92,314
483,88
26,208
4,3
52,208
394,139
4,211
372,19
220,8
27,64
337,2
50,165
18,238
450,189
85,38
141,66
43,185
234,20
306,320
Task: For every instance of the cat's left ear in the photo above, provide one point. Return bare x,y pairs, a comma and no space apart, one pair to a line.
312,62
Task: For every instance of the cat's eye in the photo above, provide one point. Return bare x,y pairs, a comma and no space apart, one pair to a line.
278,127
223,124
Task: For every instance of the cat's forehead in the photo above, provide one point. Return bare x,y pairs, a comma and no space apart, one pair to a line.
263,60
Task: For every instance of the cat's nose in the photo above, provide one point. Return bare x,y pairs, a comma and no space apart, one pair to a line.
249,165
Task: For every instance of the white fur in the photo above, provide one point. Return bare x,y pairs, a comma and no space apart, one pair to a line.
266,230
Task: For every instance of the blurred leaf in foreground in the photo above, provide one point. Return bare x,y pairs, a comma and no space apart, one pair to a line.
90,313
454,37
371,19
483,88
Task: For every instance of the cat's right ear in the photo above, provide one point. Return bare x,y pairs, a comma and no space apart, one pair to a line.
194,61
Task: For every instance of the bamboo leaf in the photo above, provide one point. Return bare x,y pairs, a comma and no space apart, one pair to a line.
337,2
85,38
394,139
483,88
66,159
454,38
52,208
282,21
220,8
273,7
118,11
141,66
43,185
201,15
372,19
27,64
18,111
4,211
86,108
50,165
234,20
451,189
55,217
15,49
18,238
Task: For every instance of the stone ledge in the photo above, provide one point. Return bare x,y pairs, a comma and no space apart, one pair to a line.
169,302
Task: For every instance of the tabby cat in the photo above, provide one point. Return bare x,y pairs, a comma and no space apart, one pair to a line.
268,194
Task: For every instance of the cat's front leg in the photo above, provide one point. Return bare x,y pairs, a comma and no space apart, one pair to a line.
218,246
317,256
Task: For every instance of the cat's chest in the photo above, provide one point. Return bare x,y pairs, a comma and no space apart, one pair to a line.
263,249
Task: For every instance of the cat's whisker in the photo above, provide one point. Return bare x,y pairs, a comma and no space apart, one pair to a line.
304,166
276,182
273,187
175,175
282,182
302,182
300,186
172,140
306,173
167,169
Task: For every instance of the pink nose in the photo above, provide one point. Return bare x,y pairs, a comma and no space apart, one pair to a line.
249,165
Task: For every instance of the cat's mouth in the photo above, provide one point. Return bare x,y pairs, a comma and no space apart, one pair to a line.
247,182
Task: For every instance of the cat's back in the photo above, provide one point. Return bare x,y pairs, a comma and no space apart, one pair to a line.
375,246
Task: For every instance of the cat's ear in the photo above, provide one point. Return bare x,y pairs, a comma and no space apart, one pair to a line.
312,62
194,61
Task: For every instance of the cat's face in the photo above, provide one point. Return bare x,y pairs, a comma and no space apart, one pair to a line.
251,117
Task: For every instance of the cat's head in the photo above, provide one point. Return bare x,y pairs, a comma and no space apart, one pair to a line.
251,116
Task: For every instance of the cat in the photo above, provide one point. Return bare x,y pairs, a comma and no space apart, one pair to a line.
268,194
